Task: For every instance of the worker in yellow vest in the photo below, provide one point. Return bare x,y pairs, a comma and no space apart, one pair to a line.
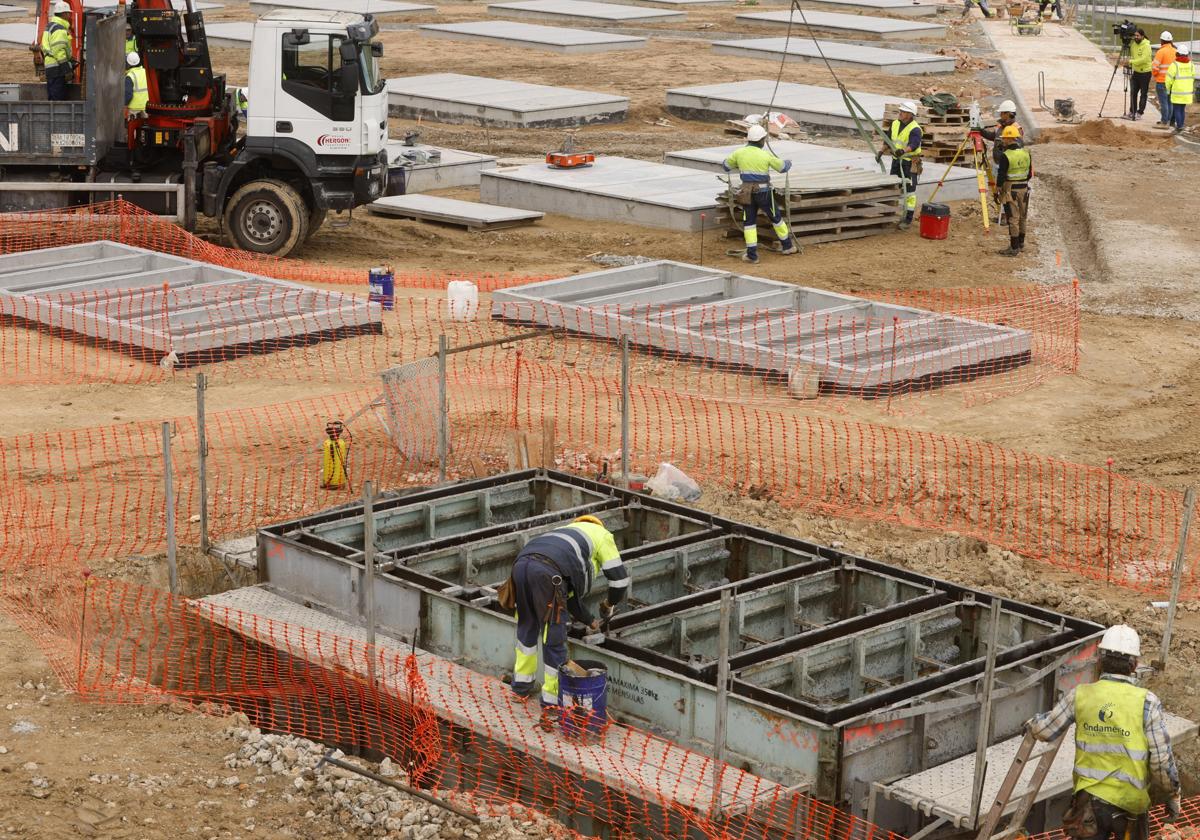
1121,746
58,53
130,41
137,93
906,162
1181,85
754,165
335,454
1014,169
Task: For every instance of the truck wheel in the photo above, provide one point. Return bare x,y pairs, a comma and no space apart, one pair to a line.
267,217
315,220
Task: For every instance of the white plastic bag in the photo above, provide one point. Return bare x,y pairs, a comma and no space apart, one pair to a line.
673,484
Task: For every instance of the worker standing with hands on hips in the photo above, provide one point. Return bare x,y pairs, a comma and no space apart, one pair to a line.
1140,64
1181,85
137,93
906,161
1163,59
551,574
58,56
1014,169
754,164
1121,745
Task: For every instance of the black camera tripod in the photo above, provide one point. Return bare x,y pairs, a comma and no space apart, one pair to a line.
1122,61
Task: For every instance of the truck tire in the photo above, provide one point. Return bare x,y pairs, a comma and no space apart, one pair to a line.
267,217
315,220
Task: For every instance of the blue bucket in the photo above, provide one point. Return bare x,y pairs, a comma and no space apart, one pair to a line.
382,283
584,701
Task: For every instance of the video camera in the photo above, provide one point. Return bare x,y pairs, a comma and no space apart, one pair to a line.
1124,30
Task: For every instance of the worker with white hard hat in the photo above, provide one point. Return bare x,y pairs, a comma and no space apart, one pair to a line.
58,52
906,161
1181,85
1006,115
137,92
1121,746
754,165
1163,59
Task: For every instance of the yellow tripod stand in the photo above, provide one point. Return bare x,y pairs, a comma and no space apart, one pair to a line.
983,173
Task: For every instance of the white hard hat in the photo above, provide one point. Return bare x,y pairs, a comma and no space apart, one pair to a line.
61,8
1007,107
911,107
1121,638
756,133
1184,49
1165,36
132,58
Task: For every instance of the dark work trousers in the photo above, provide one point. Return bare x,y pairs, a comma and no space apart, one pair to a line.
763,198
1139,92
541,594
1016,208
56,88
1114,824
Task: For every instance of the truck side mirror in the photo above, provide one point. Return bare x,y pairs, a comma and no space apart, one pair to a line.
297,38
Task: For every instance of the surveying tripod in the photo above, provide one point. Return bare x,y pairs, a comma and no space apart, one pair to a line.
983,170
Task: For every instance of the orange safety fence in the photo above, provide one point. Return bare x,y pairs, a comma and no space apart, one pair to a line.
979,343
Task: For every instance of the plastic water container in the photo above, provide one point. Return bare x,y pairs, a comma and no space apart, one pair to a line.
462,300
584,701
935,221
382,285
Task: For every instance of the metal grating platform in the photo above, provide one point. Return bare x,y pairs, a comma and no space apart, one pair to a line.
114,294
582,11
809,104
856,26
838,659
476,100
838,54
848,344
530,36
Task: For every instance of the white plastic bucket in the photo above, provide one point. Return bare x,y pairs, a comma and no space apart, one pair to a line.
462,300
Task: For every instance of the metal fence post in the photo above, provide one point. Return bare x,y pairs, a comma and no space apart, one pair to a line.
625,411
169,503
985,715
369,573
202,455
443,420
1185,525
722,700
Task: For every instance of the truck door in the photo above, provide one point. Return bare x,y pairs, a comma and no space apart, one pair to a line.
314,96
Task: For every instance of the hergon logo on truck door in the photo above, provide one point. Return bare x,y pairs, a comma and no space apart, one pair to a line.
12,141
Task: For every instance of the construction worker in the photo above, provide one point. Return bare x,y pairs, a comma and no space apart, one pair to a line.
969,4
754,165
1014,169
906,138
130,41
1163,59
137,94
58,56
1139,64
1006,116
1121,745
1054,4
335,452
1181,85
551,574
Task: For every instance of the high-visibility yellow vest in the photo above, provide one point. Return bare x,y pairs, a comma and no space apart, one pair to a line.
333,463
1181,82
1112,754
56,45
130,45
900,134
1020,165
141,93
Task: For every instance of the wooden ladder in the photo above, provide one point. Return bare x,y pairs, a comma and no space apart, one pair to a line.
1005,796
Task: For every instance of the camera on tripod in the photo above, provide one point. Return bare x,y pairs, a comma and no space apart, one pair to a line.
1124,30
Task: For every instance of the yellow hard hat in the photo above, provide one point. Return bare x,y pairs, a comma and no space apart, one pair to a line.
587,517
1010,132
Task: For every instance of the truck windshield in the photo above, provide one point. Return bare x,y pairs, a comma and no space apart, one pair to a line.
370,69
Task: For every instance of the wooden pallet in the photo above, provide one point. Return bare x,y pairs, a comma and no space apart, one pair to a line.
955,117
740,127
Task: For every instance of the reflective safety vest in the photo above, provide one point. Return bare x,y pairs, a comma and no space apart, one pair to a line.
130,45
333,463
754,164
1181,82
1020,165
900,135
1112,754
56,46
141,93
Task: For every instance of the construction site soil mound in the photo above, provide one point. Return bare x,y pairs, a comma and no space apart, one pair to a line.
1108,133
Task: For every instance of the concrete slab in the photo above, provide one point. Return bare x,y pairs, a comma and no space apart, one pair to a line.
382,9
180,5
1156,14
858,26
434,168
809,104
960,181
580,11
904,8
615,189
838,54
150,304
13,11
17,34
477,100
469,214
529,36
235,34
677,4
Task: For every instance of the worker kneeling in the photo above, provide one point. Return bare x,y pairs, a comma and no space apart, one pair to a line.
1121,745
137,92
1014,169
550,577
754,165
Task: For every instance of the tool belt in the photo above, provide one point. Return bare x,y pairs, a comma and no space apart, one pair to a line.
1079,821
745,193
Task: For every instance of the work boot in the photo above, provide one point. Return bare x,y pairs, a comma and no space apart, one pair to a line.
1021,242
907,221
1014,247
751,256
790,247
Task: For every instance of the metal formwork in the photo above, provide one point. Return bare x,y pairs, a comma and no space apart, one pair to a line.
845,671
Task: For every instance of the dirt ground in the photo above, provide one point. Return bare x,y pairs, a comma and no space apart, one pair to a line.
1107,209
